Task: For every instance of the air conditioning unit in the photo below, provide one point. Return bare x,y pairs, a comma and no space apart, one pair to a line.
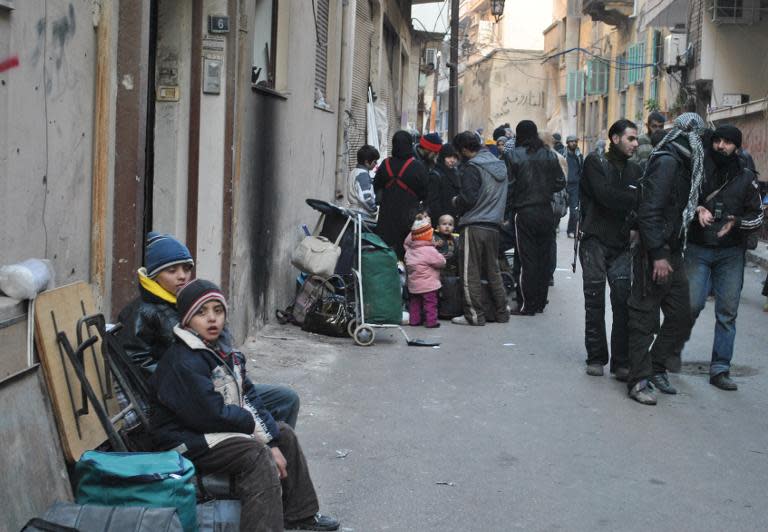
675,46
735,11
731,100
430,57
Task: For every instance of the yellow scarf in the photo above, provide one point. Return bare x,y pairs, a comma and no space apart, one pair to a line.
152,286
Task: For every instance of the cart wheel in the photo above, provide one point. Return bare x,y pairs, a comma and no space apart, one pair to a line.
351,326
364,335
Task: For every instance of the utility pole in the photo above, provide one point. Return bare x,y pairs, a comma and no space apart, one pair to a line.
453,78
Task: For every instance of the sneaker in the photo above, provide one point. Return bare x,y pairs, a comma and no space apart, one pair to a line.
432,325
642,393
595,370
316,522
723,381
461,320
571,235
661,381
621,374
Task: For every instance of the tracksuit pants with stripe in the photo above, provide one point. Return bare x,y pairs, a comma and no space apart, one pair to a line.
480,260
535,234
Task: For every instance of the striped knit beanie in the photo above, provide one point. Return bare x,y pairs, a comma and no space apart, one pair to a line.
194,295
163,251
422,229
431,142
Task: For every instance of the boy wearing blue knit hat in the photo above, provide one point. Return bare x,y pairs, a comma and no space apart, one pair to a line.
149,319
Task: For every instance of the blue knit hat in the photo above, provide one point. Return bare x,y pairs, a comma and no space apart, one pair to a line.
163,251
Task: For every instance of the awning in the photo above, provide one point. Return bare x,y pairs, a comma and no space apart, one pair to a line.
663,13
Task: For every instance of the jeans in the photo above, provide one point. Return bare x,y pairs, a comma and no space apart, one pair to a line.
722,271
573,206
281,401
600,263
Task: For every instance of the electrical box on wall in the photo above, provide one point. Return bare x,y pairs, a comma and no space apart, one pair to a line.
730,100
212,76
675,49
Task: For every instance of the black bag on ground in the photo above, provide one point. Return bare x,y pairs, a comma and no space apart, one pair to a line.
450,298
68,517
329,313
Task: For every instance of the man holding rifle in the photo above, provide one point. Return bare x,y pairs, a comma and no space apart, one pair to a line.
608,200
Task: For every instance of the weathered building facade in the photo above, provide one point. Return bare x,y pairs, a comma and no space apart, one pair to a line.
210,119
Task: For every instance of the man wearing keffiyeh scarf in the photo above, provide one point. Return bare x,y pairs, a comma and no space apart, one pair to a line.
669,196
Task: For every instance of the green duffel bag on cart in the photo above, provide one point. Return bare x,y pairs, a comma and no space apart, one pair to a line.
155,480
381,282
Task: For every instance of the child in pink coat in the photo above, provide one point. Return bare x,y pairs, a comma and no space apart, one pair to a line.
423,263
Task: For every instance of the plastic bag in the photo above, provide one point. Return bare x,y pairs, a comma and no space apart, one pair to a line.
26,279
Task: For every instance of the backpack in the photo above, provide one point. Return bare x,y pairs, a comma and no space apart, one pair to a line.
560,203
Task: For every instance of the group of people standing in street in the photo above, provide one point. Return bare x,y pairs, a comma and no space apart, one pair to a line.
663,217
665,228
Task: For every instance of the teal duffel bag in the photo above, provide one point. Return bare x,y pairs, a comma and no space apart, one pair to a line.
156,480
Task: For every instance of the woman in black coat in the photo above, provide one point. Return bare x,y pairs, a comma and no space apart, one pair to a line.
400,184
444,184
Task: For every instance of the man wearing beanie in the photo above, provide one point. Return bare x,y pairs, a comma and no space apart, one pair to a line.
149,319
728,210
481,204
535,175
428,149
205,404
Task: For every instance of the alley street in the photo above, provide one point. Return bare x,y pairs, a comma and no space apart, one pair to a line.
500,429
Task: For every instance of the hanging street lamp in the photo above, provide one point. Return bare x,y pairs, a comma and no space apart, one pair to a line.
497,9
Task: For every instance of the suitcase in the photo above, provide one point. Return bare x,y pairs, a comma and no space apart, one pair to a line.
450,301
70,517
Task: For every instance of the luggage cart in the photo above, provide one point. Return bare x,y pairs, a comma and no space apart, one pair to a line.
362,332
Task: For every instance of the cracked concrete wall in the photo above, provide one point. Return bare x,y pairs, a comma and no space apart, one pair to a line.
46,134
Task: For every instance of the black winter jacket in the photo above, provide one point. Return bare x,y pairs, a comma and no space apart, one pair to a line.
533,178
201,396
608,196
738,197
663,196
444,184
148,323
397,197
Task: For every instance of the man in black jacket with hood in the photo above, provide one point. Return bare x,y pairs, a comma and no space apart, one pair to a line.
608,201
729,208
534,175
668,200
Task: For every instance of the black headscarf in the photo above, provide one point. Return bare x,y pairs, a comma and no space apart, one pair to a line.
402,145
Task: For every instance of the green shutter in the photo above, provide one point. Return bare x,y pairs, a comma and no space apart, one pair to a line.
575,86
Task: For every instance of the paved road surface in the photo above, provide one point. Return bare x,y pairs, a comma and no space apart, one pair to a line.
500,429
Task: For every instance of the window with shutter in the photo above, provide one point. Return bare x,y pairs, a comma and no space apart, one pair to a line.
597,76
621,72
575,86
322,15
264,41
637,63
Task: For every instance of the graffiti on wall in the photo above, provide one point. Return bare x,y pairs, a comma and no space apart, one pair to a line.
516,100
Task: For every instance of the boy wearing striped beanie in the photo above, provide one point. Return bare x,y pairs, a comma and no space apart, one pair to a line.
204,403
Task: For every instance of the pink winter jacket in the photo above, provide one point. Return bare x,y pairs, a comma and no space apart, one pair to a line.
423,262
